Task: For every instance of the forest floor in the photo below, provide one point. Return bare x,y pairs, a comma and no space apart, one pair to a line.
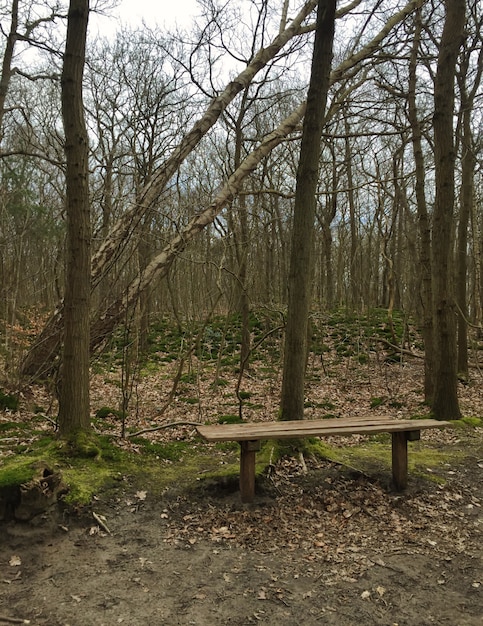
325,542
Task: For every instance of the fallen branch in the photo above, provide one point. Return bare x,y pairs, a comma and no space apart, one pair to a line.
401,350
302,463
13,620
155,428
101,522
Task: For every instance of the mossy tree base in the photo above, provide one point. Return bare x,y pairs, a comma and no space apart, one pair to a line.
84,444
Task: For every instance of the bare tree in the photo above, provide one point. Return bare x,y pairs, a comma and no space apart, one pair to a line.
445,400
301,256
469,79
74,405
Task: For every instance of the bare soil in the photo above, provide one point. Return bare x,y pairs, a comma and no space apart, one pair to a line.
321,545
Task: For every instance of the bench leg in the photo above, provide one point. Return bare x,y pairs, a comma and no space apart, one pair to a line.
248,450
400,460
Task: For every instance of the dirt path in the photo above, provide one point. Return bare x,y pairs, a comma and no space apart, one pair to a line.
325,547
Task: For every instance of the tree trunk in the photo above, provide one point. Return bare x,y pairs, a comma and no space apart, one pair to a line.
425,302
300,273
468,162
7,60
445,401
355,270
74,406
467,199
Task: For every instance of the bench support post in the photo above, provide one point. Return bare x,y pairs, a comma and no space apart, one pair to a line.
248,449
400,460
400,456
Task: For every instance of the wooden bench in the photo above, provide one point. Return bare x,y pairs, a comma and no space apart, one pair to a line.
249,435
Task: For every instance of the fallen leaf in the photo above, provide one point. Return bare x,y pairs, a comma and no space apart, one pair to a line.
365,595
15,561
141,495
381,590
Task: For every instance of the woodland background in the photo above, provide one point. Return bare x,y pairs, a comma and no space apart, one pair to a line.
193,148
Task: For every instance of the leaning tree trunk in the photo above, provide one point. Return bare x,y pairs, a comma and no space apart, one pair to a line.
301,256
74,406
445,401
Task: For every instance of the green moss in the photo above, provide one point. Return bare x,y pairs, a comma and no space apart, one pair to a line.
86,481
421,416
291,447
474,422
83,444
219,382
228,446
189,378
375,456
106,411
16,472
375,402
13,426
8,401
172,451
230,418
190,400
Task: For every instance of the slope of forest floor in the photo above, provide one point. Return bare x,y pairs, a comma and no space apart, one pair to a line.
327,541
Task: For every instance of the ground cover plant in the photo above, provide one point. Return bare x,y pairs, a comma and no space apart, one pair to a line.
150,528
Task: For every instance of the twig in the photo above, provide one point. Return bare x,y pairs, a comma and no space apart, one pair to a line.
155,428
13,620
349,467
101,523
302,463
49,419
401,350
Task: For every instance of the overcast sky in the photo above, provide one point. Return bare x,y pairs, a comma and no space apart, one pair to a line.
133,12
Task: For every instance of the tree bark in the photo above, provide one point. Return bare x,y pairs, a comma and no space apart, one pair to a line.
425,302
301,256
74,406
467,200
7,60
445,401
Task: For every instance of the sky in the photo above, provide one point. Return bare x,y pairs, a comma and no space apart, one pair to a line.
133,12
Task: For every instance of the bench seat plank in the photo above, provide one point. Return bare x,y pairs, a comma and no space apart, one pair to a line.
251,431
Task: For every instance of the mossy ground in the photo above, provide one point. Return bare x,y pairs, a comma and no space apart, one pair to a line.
104,466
